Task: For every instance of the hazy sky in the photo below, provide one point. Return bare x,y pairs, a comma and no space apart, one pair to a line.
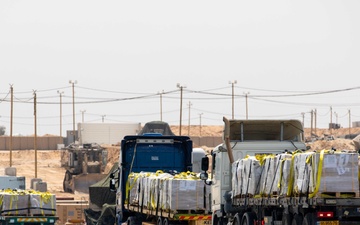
123,53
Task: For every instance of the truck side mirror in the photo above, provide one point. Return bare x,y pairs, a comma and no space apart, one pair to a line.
112,185
205,163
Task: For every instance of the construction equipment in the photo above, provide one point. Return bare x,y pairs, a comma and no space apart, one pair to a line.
84,165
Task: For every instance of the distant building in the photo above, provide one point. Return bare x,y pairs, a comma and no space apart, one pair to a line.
334,126
356,124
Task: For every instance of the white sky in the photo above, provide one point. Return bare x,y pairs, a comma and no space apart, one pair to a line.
138,48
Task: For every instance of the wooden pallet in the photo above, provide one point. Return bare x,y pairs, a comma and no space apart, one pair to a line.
337,195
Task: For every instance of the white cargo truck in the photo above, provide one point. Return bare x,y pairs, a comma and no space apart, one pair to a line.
262,175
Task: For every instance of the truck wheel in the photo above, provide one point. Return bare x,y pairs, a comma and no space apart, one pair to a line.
237,219
248,218
297,219
287,219
309,219
166,221
132,220
217,221
159,221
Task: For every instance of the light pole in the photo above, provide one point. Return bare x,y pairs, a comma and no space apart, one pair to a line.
35,134
232,96
246,100
11,122
181,98
73,103
60,93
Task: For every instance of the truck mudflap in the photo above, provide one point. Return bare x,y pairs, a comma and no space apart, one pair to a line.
192,217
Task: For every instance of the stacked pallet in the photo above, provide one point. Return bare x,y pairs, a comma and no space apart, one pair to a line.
27,203
169,192
297,174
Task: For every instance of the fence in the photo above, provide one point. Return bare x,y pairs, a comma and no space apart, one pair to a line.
26,142
52,142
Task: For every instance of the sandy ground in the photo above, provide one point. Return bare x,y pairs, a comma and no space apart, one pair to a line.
50,171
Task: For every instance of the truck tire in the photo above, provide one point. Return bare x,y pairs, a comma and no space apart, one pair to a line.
217,221
159,221
166,221
309,219
237,219
132,220
297,219
248,218
287,219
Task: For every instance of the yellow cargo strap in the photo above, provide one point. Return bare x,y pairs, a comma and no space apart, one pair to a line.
319,172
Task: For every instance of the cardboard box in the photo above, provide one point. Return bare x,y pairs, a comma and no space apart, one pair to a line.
70,212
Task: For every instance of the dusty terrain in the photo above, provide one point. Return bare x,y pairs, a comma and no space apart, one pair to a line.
49,167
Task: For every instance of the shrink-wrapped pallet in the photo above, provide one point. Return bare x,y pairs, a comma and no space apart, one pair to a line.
302,172
251,176
42,203
278,181
267,175
326,172
14,203
133,187
237,177
187,194
335,172
155,188
246,175
284,177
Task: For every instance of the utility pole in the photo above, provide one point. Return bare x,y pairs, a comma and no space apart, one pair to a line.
330,120
189,118
161,93
82,115
35,134
303,119
349,124
246,100
232,96
315,119
200,114
181,99
60,93
11,122
73,104
312,119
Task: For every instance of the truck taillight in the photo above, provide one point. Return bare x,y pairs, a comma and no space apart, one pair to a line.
325,214
259,222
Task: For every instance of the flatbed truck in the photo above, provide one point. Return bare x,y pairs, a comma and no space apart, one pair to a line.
151,152
246,138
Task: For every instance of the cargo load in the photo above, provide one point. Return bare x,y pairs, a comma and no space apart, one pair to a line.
298,174
171,192
27,202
